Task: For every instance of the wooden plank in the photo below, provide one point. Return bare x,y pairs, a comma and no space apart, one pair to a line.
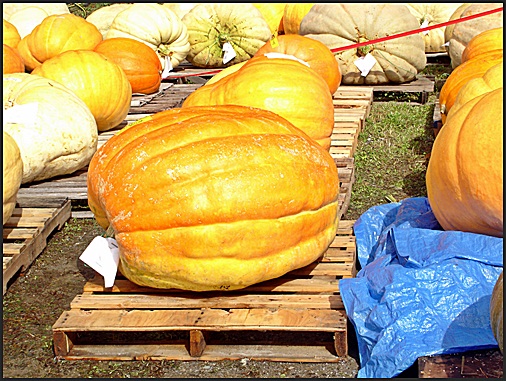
32,226
299,303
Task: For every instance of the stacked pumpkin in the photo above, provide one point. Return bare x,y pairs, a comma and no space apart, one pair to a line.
465,171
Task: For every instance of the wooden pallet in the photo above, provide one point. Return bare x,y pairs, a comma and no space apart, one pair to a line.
472,364
422,85
26,232
298,317
437,120
352,105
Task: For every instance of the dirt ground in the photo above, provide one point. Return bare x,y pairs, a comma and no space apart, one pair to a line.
36,299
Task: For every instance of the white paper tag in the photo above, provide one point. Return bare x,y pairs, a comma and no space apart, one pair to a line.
447,43
425,24
23,114
102,255
365,64
167,67
228,53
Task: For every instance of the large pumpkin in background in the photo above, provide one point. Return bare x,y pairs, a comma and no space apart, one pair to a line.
54,130
429,14
293,15
338,25
103,17
139,62
94,78
463,32
212,26
156,26
273,13
214,198
12,175
465,172
316,54
284,86
60,33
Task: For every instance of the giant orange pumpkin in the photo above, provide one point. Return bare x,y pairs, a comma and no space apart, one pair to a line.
139,62
472,68
214,198
465,173
315,53
284,86
94,78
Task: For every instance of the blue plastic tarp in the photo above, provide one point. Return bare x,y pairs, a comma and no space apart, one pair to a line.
421,290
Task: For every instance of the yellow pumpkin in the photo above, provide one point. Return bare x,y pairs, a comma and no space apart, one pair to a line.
214,198
60,33
273,13
293,15
12,61
29,60
11,35
12,175
97,80
284,86
465,173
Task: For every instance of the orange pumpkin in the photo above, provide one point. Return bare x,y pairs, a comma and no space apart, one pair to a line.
29,60
60,33
486,41
465,173
11,35
98,81
315,53
472,68
12,61
139,62
284,86
214,198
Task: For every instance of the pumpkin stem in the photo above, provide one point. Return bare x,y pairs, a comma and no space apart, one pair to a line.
363,50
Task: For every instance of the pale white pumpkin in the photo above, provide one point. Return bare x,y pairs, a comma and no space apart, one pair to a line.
180,9
463,32
12,175
158,27
9,9
54,129
25,20
429,14
219,31
103,17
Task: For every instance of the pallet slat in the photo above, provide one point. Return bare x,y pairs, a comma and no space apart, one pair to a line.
32,226
305,301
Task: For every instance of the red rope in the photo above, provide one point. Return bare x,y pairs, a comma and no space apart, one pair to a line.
419,30
371,42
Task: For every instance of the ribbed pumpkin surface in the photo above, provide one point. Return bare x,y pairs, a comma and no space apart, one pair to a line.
214,198
94,78
465,172
281,85
139,62
486,41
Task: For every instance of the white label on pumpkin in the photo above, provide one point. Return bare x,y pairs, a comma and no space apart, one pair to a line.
25,114
167,67
102,255
425,24
365,64
447,43
228,53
